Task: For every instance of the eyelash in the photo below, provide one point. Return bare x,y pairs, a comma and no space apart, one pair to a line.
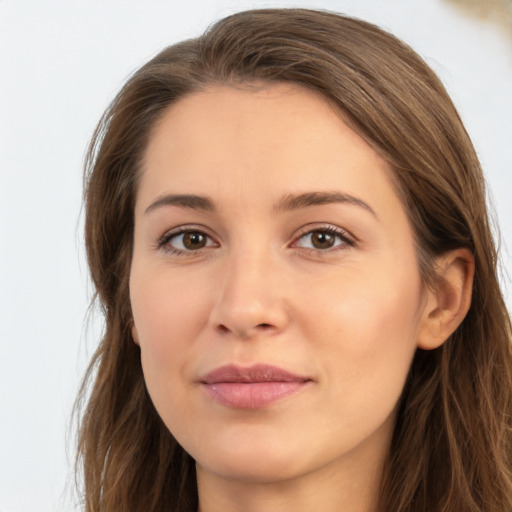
346,240
163,242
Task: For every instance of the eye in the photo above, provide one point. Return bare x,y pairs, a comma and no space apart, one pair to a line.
188,240
324,239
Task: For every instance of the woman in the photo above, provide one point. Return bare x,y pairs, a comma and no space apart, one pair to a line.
287,231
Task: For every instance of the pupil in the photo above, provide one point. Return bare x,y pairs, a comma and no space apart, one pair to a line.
194,240
322,240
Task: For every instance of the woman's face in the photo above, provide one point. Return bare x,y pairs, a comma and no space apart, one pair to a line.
274,285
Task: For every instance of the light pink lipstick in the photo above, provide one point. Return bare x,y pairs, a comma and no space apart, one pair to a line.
251,387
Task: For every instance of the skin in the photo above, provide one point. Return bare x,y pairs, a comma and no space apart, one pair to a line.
349,316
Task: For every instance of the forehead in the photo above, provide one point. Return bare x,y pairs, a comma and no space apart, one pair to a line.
258,142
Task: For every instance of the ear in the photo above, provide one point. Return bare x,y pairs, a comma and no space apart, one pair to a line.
447,304
135,333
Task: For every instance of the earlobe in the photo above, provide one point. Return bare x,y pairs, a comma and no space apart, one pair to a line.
447,304
135,334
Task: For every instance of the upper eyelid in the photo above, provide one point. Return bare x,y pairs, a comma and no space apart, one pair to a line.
184,228
311,228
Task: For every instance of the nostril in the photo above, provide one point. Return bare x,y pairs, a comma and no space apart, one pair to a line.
222,328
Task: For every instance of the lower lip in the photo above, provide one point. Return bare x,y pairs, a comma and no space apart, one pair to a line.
252,395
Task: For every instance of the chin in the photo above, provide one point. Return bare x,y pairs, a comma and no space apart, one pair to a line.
254,468
251,458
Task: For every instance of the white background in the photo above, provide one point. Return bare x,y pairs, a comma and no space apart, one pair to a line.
60,64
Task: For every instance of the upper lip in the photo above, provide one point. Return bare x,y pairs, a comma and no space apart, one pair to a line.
251,374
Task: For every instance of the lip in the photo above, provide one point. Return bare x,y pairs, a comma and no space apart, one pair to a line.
251,387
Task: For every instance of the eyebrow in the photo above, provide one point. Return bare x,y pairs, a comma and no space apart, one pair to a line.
192,201
287,203
294,202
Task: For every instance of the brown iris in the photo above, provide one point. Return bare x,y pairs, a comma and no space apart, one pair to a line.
193,240
322,239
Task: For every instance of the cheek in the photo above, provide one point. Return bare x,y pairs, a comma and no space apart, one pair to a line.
366,331
369,307
167,308
168,316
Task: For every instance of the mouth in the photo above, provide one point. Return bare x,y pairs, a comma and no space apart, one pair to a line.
252,387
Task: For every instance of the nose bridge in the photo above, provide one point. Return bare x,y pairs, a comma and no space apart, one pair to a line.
250,299
245,277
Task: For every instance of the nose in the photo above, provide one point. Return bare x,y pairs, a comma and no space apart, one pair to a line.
252,298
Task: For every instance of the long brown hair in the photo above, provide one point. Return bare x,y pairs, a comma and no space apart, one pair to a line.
451,450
